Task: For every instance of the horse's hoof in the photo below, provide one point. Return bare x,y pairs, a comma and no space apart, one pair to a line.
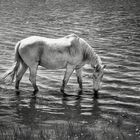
17,91
65,95
35,92
62,90
80,92
96,95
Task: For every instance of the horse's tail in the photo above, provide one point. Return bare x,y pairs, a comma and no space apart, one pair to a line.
10,74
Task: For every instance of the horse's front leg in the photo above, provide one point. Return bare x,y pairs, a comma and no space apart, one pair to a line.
79,77
32,78
68,73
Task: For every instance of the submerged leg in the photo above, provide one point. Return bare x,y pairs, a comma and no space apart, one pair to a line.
69,71
32,78
22,70
79,77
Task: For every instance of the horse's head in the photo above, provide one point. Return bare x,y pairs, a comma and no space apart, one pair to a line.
98,73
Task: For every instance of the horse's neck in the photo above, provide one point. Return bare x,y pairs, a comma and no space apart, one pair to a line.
95,59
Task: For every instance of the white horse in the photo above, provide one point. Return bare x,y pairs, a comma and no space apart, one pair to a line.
70,52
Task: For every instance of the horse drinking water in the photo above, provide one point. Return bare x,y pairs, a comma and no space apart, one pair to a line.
70,52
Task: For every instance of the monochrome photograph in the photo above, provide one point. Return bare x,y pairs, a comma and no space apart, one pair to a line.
69,70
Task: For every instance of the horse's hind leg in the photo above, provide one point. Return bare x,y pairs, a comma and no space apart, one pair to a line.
19,75
32,78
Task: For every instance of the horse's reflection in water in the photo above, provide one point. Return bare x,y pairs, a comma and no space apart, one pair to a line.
76,108
81,107
26,111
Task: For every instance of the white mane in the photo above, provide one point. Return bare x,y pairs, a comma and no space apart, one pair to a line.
90,54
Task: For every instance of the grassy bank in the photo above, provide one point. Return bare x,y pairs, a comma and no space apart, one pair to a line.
65,131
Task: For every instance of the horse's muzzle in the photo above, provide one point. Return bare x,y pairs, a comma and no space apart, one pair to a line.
95,91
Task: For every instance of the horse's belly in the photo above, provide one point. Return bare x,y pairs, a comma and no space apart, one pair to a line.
53,64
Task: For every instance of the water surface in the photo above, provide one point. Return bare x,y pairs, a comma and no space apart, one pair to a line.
110,27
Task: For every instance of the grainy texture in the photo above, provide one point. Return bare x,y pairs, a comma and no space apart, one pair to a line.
111,27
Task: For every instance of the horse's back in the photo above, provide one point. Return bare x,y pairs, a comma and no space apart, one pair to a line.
49,42
47,50
36,43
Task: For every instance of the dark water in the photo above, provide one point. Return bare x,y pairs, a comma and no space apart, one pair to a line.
112,27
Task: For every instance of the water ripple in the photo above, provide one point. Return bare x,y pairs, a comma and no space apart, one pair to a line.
113,34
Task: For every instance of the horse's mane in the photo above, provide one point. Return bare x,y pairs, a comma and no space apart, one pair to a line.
89,53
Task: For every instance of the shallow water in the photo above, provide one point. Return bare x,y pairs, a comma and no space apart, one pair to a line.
111,27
